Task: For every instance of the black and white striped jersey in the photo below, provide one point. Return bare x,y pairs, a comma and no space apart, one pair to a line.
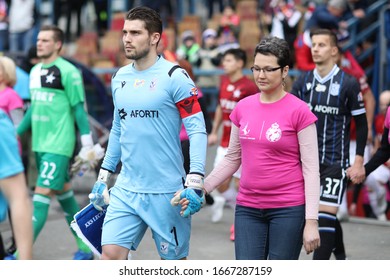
334,99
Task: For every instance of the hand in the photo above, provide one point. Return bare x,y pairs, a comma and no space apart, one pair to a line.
356,177
311,236
88,156
212,139
192,197
352,209
99,197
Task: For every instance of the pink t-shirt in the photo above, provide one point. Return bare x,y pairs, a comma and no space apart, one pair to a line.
10,100
271,170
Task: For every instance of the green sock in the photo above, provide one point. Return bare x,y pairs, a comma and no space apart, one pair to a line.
41,210
69,205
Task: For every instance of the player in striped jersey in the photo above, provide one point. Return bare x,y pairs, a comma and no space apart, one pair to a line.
334,97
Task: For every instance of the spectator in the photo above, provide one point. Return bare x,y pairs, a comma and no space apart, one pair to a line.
101,16
3,26
21,25
209,59
328,16
210,7
189,48
285,22
229,26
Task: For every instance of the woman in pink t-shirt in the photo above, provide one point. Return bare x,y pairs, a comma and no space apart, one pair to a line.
274,138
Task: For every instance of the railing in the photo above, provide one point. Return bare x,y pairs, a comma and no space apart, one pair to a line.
359,36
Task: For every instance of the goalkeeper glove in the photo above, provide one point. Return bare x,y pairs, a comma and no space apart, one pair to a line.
99,197
193,192
88,156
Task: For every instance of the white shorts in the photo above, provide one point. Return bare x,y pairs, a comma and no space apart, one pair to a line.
220,154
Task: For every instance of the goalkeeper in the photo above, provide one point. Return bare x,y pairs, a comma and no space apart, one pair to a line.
57,103
152,98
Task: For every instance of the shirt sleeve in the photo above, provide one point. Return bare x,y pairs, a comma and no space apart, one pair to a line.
81,118
113,151
308,147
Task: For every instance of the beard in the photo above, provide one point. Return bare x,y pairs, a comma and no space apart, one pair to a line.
136,55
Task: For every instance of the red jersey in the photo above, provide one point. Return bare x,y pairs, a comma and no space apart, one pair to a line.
229,94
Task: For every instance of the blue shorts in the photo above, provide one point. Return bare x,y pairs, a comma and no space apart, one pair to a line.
10,160
130,214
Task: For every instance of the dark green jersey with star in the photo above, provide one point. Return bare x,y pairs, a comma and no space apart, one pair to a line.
55,89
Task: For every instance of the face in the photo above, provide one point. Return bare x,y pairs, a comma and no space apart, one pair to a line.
46,46
136,39
231,65
322,51
271,80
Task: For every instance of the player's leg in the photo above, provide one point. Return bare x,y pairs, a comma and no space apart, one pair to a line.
69,205
339,250
42,193
122,229
171,232
333,182
327,229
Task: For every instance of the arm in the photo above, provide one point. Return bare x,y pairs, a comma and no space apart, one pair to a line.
230,163
369,102
356,171
381,155
17,116
89,154
213,137
81,118
25,124
197,135
308,147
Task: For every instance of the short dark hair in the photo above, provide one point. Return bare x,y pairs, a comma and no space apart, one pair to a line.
275,46
239,54
58,34
324,31
150,17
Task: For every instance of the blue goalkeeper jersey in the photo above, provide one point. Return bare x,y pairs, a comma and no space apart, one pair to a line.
149,108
